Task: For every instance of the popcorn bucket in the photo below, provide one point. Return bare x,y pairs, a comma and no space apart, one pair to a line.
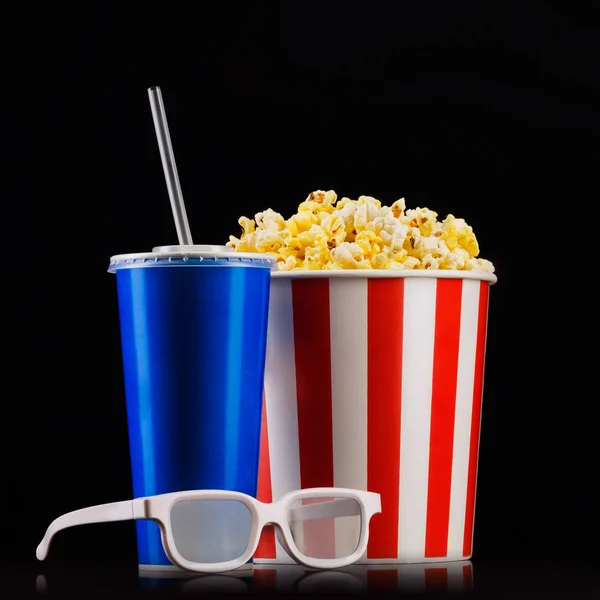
374,381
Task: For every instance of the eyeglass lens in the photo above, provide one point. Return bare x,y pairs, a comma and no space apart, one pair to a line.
211,530
325,528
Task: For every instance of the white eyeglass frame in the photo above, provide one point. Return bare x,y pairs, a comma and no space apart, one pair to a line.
158,509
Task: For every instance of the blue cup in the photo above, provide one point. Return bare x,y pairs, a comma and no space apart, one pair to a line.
193,334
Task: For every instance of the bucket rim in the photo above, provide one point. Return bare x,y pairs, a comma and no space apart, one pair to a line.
387,274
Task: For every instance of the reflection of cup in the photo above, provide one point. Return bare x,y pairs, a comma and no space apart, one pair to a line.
374,381
193,334
189,582
220,584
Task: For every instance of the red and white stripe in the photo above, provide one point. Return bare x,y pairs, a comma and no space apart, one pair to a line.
376,383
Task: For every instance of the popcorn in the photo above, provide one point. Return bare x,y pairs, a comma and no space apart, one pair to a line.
268,220
429,262
248,225
349,255
327,234
398,208
412,263
380,261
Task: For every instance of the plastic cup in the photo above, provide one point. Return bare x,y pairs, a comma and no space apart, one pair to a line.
193,333
374,381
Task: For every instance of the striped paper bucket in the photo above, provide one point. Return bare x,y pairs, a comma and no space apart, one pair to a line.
374,381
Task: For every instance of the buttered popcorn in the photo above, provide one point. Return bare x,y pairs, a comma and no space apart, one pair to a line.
361,234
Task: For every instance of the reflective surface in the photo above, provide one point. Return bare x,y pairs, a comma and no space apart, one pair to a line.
194,344
498,579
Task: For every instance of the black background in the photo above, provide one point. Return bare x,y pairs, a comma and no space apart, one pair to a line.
486,110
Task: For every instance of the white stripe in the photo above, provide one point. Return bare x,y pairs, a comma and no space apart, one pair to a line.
348,326
417,383
487,315
283,557
281,402
464,411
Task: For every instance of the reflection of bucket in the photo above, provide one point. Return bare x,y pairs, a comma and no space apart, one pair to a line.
374,381
454,576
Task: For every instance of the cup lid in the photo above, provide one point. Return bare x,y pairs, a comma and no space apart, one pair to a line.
203,248
198,254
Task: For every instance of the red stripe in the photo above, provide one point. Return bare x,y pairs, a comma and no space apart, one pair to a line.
443,409
484,291
385,341
382,579
266,546
310,298
468,577
436,579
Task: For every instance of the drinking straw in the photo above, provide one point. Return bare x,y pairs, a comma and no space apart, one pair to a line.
170,168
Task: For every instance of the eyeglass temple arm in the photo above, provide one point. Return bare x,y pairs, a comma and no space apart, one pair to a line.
340,507
103,513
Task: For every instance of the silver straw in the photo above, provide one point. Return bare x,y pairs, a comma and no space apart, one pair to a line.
170,168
